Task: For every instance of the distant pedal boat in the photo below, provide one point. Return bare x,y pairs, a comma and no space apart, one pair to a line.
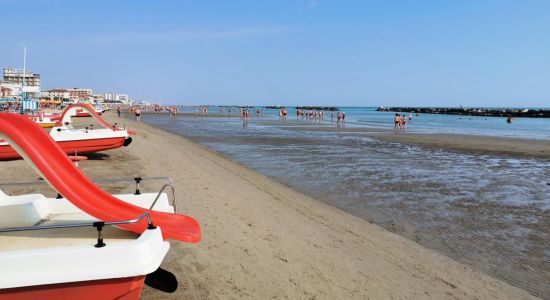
45,121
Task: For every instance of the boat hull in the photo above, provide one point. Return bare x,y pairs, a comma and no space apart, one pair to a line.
116,288
46,125
73,147
82,114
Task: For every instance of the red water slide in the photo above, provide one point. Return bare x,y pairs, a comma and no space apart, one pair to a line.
73,109
41,151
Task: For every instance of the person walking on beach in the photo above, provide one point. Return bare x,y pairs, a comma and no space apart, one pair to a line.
118,111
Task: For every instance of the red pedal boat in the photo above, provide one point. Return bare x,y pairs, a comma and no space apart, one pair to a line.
79,140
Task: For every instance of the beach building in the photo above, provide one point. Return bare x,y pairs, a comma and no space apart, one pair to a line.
72,95
12,84
15,90
78,94
5,92
56,94
99,98
17,76
117,98
10,90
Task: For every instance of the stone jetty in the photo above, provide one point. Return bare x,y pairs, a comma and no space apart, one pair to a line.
485,112
329,108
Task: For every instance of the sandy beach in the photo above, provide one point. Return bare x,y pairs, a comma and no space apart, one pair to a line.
264,240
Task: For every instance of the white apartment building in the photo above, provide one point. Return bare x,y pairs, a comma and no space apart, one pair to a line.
16,76
117,98
78,94
56,94
74,94
12,83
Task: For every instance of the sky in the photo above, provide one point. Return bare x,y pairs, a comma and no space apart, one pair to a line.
288,52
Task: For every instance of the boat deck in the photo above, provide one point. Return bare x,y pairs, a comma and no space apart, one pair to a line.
63,237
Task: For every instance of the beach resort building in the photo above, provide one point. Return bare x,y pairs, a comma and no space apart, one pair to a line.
17,81
5,92
74,94
10,90
117,98
99,98
56,94
17,76
78,94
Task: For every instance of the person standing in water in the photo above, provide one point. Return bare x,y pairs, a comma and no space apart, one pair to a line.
397,122
137,112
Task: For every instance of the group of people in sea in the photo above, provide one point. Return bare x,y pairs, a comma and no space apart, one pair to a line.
310,114
400,121
137,110
245,113
319,116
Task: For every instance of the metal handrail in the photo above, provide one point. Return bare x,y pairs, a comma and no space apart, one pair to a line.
114,180
106,180
77,225
97,224
173,196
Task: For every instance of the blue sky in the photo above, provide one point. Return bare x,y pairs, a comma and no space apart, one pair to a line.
364,53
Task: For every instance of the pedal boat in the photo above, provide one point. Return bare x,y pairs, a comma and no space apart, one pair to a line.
50,249
88,244
45,121
76,141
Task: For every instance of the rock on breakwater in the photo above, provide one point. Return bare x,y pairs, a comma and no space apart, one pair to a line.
486,112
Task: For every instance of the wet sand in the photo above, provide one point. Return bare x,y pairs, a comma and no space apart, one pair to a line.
264,240
461,142
192,114
475,144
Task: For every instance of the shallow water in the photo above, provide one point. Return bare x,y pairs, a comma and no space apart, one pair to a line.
537,128
488,211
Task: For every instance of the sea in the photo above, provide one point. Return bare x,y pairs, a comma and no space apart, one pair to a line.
489,211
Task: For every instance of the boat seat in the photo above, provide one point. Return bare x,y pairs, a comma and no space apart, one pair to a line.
6,200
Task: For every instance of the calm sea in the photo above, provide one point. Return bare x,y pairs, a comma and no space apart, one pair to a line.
491,212
432,123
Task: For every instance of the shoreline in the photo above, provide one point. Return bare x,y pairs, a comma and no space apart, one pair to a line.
262,239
